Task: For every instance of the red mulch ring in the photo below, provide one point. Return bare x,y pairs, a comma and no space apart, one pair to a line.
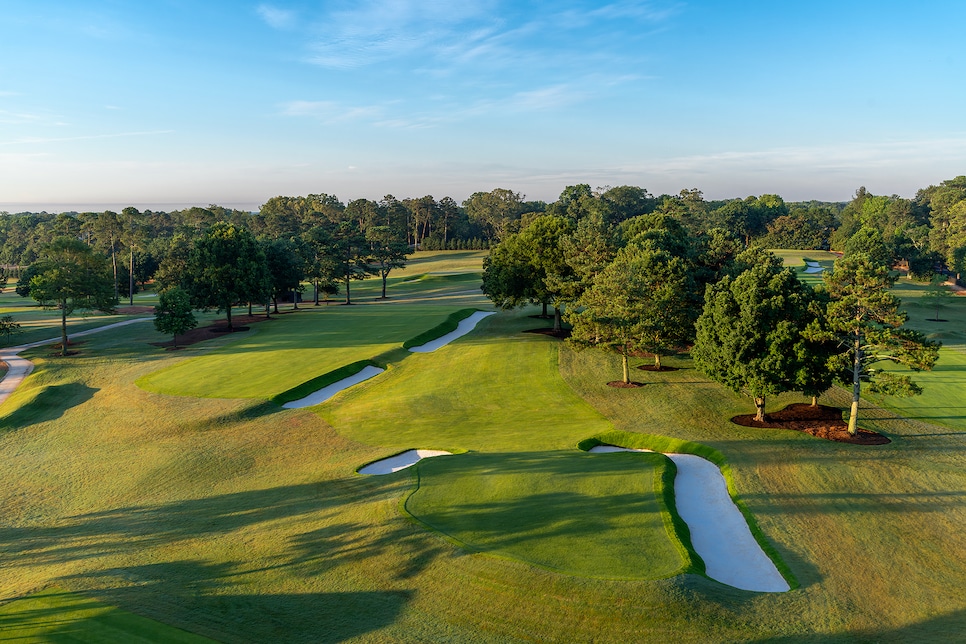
215,330
562,333
821,422
650,367
620,384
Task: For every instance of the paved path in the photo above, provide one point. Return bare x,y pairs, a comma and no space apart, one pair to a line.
18,368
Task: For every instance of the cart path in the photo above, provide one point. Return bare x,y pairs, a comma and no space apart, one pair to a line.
19,368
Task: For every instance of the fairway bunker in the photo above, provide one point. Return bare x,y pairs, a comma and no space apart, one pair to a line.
400,461
320,396
719,533
465,326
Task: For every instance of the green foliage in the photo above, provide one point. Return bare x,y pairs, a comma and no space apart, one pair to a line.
8,327
286,268
23,284
225,267
173,314
937,295
71,276
639,302
387,251
864,318
748,333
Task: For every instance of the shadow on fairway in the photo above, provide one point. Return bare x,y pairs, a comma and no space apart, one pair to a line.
196,596
48,404
945,628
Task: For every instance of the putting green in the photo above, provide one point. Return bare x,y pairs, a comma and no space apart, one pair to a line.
566,511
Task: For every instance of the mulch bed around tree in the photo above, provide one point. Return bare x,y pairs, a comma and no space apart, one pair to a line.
821,422
562,333
214,330
620,384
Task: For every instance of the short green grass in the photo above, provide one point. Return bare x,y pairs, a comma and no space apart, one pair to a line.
576,513
239,521
57,616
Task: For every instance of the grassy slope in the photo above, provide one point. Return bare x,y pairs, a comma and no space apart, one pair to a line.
321,339
54,615
505,398
238,521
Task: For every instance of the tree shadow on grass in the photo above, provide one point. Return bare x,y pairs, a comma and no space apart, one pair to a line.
944,628
198,597
48,404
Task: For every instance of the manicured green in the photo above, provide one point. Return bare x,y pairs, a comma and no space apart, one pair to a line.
280,354
581,514
57,616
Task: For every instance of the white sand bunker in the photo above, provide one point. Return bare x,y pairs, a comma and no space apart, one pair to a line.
320,396
465,326
401,461
719,532
813,267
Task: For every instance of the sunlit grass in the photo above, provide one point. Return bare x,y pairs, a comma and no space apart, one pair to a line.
238,521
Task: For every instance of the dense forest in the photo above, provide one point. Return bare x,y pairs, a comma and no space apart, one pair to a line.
924,233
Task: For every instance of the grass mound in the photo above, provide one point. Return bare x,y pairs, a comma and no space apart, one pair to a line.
560,510
320,382
446,326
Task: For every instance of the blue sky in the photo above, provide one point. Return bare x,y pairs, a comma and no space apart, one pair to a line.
106,103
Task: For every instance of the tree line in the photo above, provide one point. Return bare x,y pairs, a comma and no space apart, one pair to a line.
921,233
649,285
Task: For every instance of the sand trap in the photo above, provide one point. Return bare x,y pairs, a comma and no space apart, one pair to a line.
464,327
401,461
719,532
325,393
813,267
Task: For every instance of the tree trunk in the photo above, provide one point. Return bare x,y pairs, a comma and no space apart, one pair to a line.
556,319
295,300
544,313
114,264
814,401
174,342
856,385
130,288
627,372
657,361
63,327
316,296
760,409
384,276
348,295
228,311
275,303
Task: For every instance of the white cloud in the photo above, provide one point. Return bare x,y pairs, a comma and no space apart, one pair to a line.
275,17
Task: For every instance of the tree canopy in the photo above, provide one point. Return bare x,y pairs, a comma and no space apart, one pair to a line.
71,276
